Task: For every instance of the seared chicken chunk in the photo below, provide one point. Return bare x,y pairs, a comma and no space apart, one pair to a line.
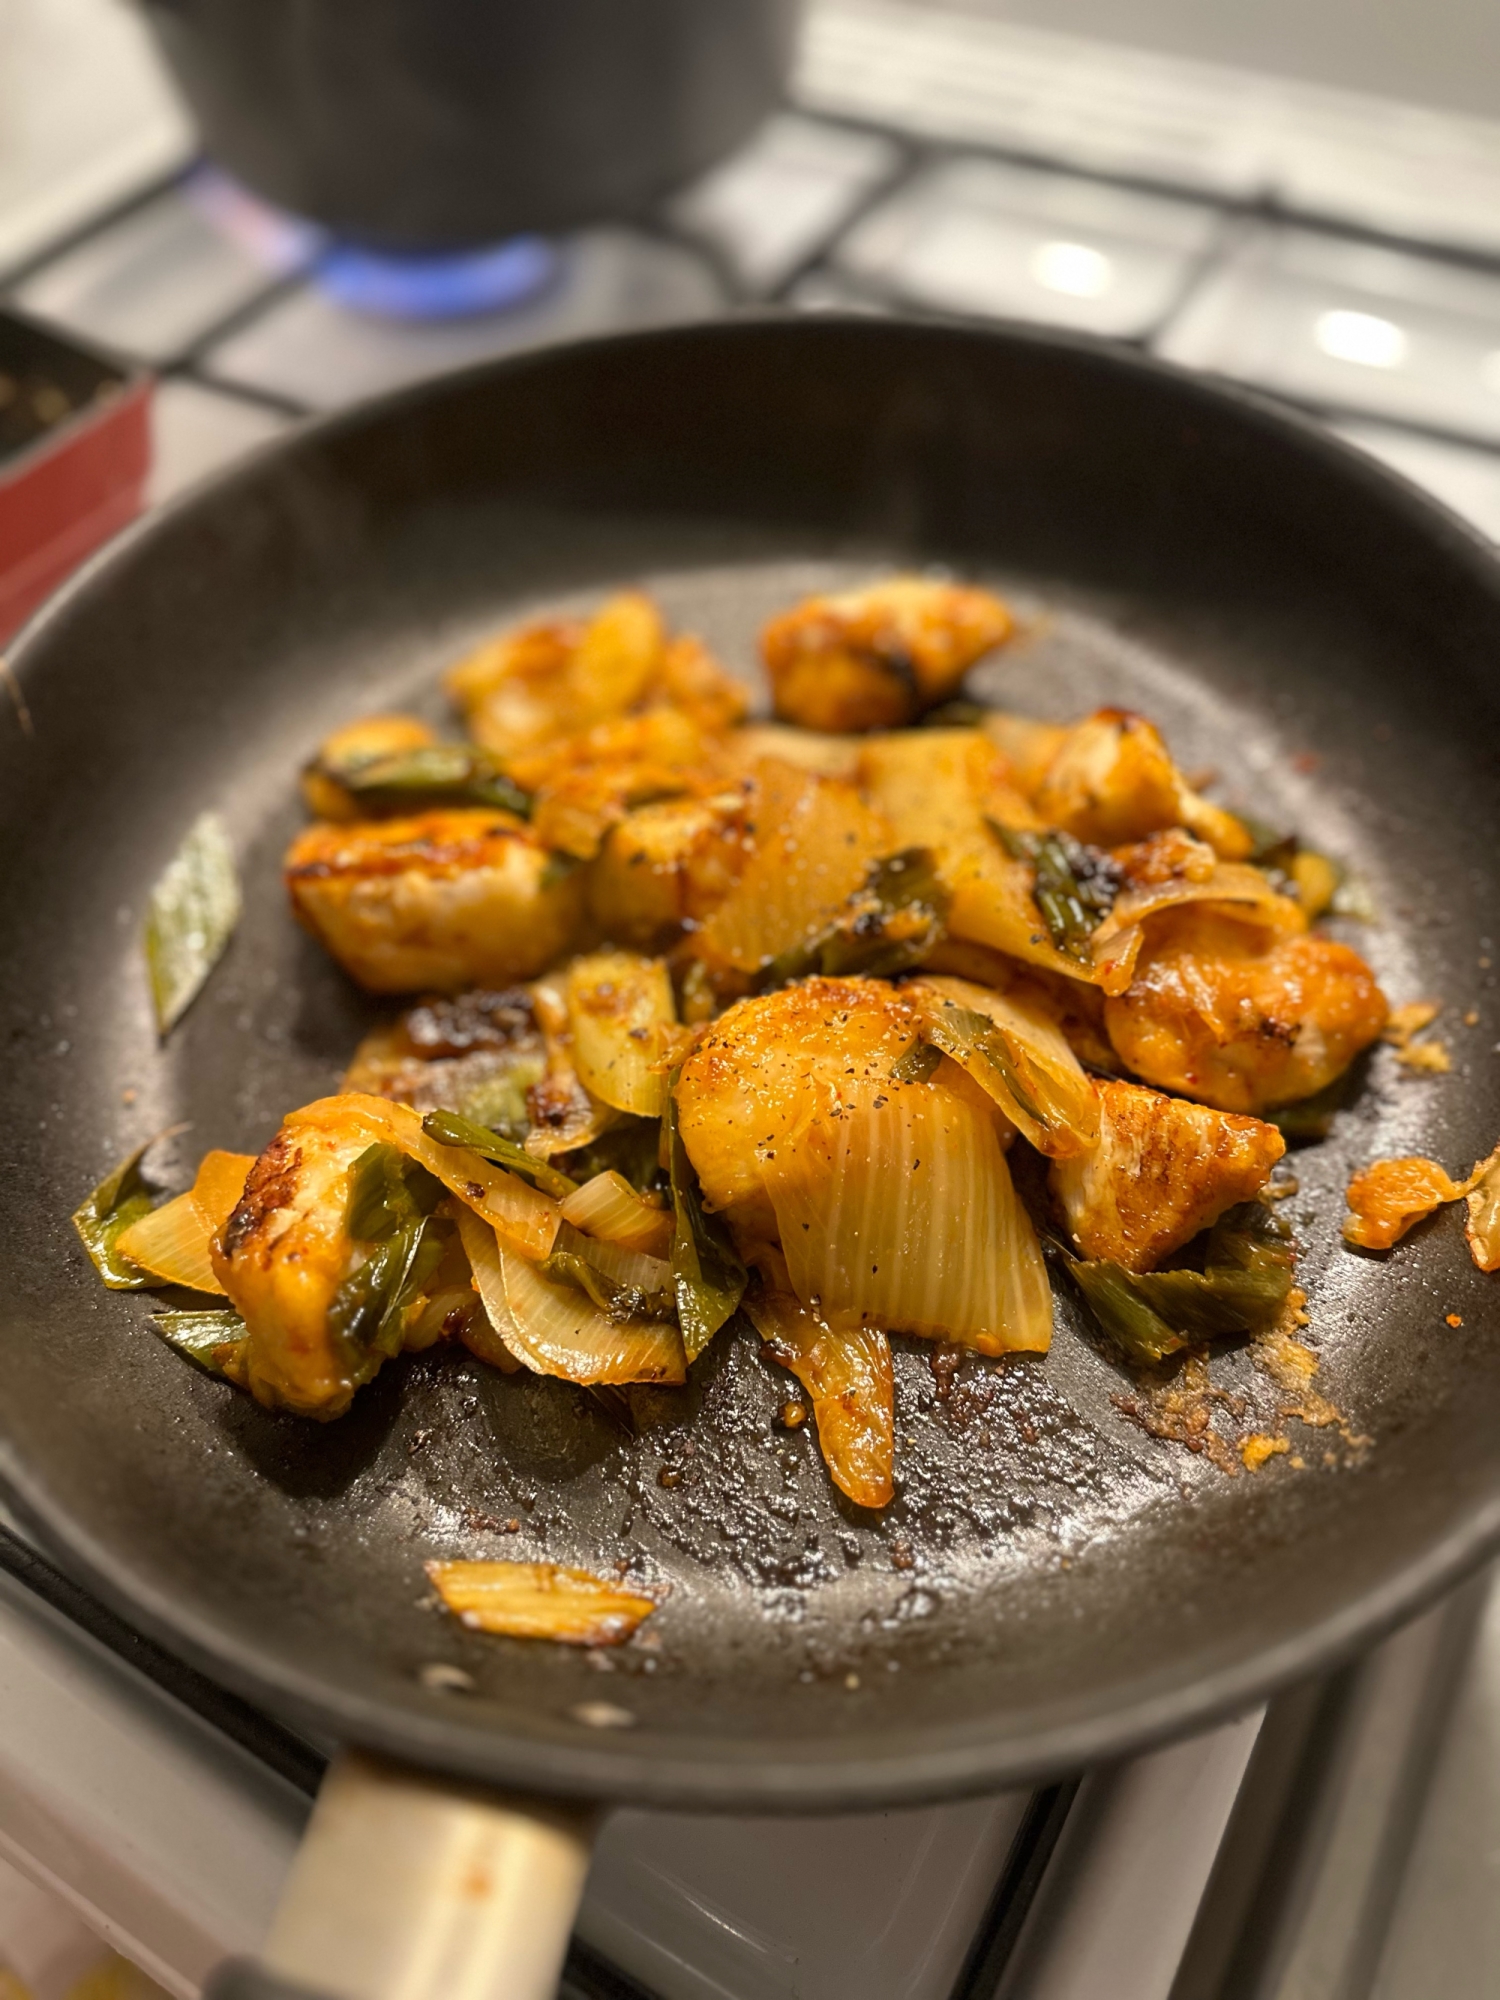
282,1256
668,864
561,678
878,658
442,900
1162,1171
1243,1017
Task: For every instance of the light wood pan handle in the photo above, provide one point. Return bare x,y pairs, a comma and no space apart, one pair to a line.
410,1888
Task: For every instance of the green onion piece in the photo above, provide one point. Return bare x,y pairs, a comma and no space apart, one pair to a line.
439,774
192,914
387,1191
120,1199
920,1060
890,924
200,1335
369,1307
1352,898
1075,886
621,1302
1242,1288
964,1032
706,1268
451,1130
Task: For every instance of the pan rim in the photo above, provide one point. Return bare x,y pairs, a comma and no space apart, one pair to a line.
859,1773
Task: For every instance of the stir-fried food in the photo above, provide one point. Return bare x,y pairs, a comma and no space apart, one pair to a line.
813,1031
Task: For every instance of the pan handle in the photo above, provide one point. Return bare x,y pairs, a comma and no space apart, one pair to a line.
408,1887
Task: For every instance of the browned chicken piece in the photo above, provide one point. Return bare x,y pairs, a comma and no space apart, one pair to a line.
668,864
364,742
1163,1170
439,901
880,657
582,785
1111,780
1240,1016
283,1254
562,678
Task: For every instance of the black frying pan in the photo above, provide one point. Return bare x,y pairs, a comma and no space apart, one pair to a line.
1051,1586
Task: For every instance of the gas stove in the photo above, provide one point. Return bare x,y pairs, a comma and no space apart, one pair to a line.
1340,252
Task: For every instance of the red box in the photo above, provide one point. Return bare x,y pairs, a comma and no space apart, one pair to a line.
75,449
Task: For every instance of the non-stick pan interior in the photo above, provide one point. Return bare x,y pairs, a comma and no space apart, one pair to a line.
1052,1583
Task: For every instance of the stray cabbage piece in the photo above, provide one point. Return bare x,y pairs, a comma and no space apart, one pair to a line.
814,842
441,900
1163,1170
520,1600
1482,1197
623,1021
368,741
1112,780
1391,1196
847,1374
880,657
191,916
173,1242
1240,1016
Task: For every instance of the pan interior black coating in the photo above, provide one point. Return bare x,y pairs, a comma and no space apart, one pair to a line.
1051,1584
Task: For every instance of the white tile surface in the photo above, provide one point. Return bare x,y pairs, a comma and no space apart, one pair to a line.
195,431
151,283
976,236
315,353
773,204
1467,481
86,118
972,77
1351,326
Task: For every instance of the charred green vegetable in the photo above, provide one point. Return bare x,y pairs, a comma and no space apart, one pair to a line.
120,1199
1246,1276
201,1336
190,919
622,1302
1076,885
889,925
449,1129
920,1060
391,1200
437,774
706,1268
962,1033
